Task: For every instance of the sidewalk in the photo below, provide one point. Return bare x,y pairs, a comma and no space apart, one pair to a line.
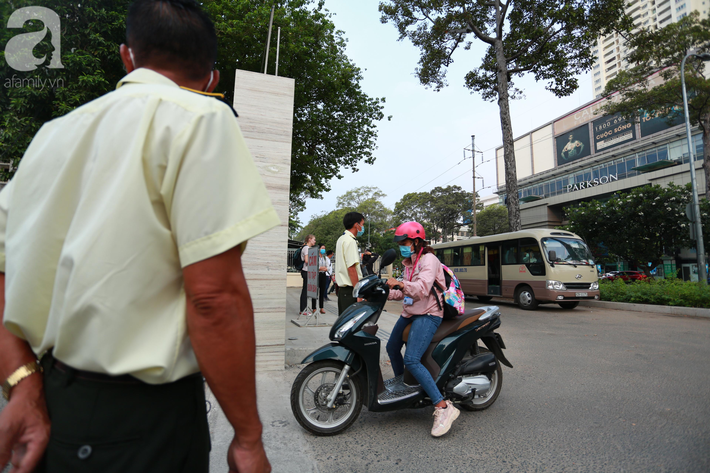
285,440
301,341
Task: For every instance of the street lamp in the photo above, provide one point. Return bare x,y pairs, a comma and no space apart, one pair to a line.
702,273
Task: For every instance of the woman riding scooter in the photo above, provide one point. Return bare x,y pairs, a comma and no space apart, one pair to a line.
420,309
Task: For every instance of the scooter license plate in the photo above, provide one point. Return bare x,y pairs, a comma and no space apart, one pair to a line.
581,294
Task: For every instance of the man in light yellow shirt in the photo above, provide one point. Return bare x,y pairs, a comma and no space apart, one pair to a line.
121,237
347,259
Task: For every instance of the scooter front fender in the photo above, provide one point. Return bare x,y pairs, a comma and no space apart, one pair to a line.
331,351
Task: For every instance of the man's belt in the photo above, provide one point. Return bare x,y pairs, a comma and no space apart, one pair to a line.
91,376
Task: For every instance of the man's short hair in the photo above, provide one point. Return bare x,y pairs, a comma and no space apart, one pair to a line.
351,218
172,34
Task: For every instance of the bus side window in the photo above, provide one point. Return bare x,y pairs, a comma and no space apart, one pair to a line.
440,255
448,257
530,251
532,256
457,256
479,252
510,252
467,251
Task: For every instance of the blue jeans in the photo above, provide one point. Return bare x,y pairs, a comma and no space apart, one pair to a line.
420,335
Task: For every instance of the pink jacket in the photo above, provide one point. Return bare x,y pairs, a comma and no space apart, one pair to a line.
422,278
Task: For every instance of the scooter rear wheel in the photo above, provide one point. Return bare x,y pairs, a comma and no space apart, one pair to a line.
309,396
486,400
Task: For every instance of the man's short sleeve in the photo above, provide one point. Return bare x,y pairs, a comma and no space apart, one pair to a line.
351,255
214,195
4,209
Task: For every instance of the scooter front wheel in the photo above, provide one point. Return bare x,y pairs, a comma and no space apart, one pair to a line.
309,399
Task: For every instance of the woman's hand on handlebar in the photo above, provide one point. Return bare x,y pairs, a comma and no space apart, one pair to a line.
393,283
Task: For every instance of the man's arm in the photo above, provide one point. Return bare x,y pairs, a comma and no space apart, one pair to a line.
24,423
352,273
220,322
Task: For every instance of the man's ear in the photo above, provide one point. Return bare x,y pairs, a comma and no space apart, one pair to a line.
126,58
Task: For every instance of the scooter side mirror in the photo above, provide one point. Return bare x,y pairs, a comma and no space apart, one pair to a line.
388,258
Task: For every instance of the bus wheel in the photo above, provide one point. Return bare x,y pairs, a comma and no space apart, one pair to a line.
525,298
484,298
568,305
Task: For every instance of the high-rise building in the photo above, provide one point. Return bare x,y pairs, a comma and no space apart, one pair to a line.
611,51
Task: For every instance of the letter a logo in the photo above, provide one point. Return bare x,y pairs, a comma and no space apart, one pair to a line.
18,51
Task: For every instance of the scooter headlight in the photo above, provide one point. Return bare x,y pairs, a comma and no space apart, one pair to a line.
556,286
594,286
340,333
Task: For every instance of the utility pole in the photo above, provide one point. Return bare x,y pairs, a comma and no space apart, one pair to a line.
473,156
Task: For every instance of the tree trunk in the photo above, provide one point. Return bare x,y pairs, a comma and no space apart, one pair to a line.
511,177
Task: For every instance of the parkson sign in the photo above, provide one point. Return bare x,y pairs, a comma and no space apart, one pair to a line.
592,183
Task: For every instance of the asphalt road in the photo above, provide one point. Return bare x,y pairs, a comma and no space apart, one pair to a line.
592,390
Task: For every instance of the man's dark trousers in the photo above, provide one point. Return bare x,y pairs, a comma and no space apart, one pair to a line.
345,298
125,425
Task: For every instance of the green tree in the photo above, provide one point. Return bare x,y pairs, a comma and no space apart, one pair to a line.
448,207
368,201
326,227
334,127
639,226
662,51
493,220
415,206
550,39
91,32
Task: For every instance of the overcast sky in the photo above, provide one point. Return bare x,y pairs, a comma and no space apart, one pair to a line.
420,147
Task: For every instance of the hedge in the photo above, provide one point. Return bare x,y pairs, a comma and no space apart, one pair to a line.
674,292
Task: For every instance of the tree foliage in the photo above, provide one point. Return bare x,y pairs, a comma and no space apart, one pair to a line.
440,211
493,220
639,226
662,51
326,227
368,201
91,32
550,39
334,126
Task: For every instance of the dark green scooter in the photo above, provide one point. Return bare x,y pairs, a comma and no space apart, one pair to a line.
327,395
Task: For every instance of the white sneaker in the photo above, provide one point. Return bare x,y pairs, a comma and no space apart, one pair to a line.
443,418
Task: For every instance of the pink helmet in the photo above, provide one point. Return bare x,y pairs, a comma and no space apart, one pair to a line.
409,230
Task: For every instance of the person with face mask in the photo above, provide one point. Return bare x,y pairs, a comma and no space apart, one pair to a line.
420,309
347,259
324,268
125,273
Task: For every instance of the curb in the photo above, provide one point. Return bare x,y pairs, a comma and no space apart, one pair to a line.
673,311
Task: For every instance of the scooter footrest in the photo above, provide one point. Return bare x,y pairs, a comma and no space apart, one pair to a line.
397,393
394,381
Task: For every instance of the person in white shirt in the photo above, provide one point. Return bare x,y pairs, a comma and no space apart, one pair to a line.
324,269
329,274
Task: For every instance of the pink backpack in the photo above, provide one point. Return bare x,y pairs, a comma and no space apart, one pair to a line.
452,296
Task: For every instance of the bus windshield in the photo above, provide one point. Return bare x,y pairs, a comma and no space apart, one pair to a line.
567,251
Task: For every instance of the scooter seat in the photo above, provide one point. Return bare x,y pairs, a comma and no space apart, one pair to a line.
450,326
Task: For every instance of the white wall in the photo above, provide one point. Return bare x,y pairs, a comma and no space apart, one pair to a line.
265,107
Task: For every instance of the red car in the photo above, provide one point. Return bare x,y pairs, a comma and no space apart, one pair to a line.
627,276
